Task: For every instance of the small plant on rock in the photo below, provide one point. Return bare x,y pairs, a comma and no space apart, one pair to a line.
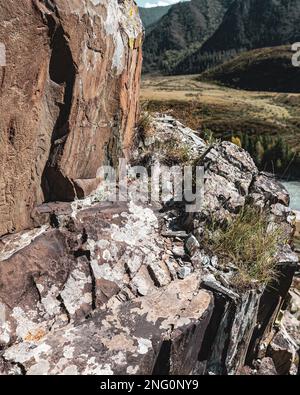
209,137
250,243
143,128
176,153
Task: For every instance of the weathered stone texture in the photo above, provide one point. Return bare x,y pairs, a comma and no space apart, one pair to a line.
129,288
68,98
92,285
242,324
127,339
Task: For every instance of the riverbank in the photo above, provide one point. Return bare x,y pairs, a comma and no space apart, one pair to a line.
293,187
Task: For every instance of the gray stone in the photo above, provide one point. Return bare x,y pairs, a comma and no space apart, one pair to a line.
179,251
266,186
126,339
184,272
192,245
101,295
283,351
267,367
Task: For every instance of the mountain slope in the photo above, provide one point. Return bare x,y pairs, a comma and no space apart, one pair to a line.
152,15
248,24
182,31
266,69
256,24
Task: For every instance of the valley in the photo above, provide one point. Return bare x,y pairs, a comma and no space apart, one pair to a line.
264,122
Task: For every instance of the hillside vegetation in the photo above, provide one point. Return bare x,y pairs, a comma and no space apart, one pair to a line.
193,37
266,124
152,15
267,69
181,32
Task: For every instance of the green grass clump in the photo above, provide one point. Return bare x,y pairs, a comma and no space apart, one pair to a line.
250,245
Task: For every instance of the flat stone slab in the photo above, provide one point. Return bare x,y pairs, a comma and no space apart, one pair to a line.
126,338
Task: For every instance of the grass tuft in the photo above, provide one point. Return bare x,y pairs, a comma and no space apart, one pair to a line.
250,244
143,128
176,153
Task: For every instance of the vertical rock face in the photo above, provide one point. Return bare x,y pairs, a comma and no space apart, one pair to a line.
68,98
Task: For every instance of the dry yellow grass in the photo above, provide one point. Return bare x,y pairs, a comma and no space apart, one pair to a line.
205,105
187,88
250,244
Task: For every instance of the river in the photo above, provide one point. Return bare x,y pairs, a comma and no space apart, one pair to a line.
293,188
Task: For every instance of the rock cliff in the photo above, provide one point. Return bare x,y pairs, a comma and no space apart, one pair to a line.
69,94
131,288
96,286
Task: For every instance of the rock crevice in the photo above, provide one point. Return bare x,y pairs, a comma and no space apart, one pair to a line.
93,286
69,99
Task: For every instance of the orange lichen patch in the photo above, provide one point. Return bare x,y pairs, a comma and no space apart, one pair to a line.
36,336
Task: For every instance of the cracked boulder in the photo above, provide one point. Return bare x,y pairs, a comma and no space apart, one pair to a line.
156,334
59,276
243,323
128,288
31,282
229,171
68,97
283,351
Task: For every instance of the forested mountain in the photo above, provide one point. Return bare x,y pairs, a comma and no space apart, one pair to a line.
256,24
152,15
218,30
181,32
264,69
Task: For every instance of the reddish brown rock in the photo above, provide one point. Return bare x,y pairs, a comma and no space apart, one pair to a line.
110,288
86,279
68,98
160,334
267,367
283,351
30,287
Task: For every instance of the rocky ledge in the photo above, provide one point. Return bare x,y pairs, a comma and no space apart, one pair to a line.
132,288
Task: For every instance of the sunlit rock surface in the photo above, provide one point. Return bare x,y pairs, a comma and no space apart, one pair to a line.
127,288
68,98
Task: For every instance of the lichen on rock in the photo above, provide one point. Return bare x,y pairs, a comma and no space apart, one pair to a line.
92,286
69,99
119,279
